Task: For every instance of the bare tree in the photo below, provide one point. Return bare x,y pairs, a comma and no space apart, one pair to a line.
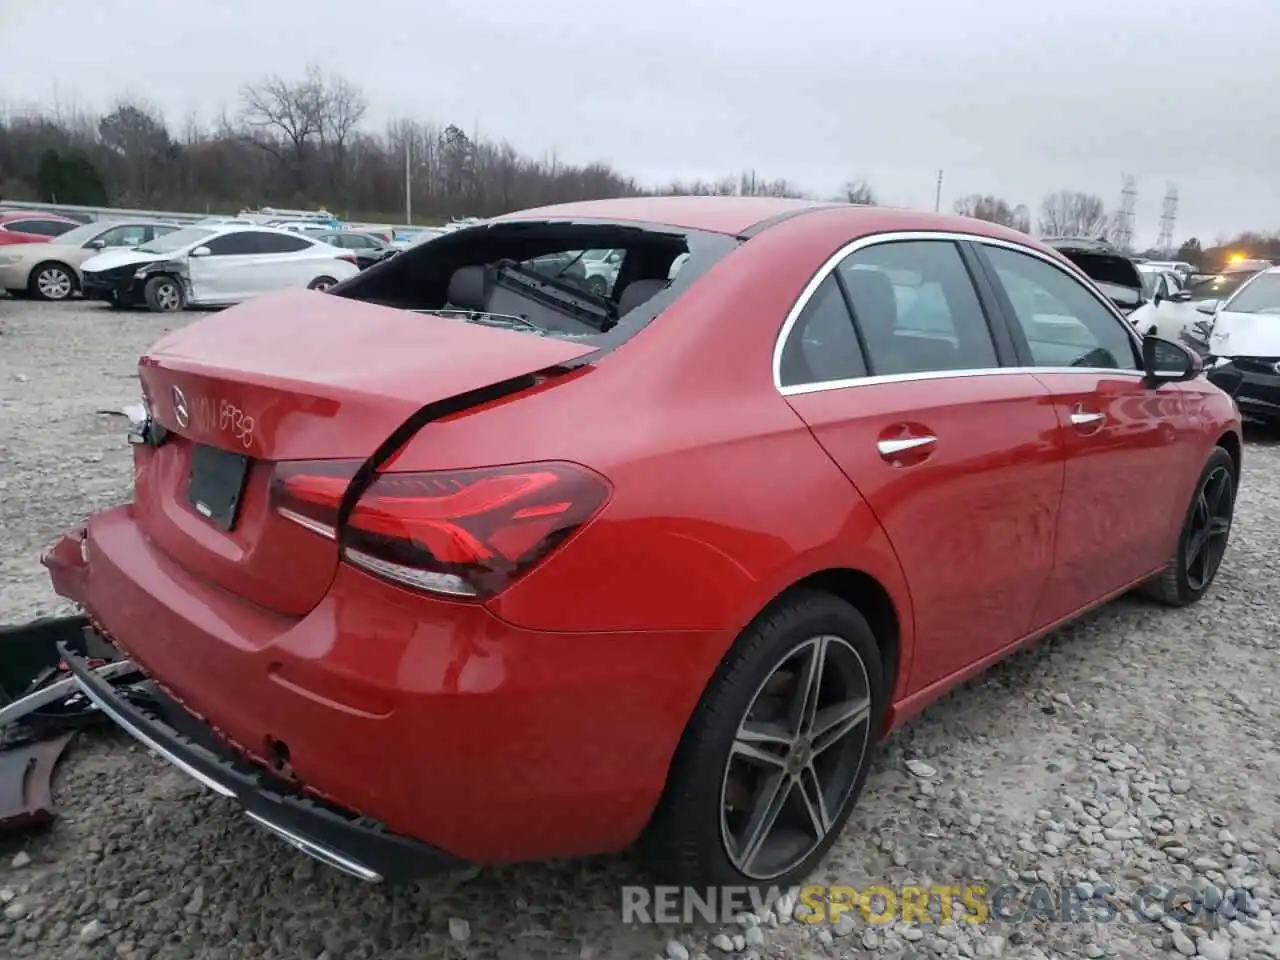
859,192
994,210
1070,213
284,118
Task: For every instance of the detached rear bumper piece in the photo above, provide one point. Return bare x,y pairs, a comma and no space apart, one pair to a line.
339,838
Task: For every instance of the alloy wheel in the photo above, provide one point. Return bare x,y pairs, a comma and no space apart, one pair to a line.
1205,541
168,297
795,758
53,283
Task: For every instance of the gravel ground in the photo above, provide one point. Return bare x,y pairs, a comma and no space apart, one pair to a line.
1137,747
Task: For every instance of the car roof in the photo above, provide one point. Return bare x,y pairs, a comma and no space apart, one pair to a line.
218,229
11,215
747,216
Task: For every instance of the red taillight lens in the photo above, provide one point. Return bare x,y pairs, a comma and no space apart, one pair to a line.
465,533
350,258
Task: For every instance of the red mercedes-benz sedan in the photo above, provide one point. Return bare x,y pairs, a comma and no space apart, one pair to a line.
463,561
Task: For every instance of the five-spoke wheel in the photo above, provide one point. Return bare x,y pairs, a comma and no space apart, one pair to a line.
795,758
775,754
1206,528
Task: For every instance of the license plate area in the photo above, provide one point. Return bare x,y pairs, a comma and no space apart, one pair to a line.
216,483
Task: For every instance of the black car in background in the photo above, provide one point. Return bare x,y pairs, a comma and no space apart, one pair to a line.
367,248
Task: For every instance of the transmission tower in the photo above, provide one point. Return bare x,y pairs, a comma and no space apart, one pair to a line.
1168,217
1124,216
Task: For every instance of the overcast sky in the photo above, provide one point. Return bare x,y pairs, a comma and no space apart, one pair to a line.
1014,98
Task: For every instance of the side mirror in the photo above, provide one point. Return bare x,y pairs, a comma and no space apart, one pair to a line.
201,252
95,244
1164,361
1158,297
1207,307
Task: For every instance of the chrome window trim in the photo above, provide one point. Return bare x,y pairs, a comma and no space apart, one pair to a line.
802,388
832,262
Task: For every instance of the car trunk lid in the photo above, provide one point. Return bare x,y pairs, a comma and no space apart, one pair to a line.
1115,274
294,376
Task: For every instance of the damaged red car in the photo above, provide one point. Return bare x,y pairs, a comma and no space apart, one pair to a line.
469,560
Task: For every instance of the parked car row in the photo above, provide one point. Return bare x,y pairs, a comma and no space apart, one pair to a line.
165,267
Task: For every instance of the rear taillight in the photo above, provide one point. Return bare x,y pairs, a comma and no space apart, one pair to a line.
464,533
350,258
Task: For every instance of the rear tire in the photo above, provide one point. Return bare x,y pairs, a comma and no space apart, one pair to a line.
321,284
1202,542
52,281
164,295
700,832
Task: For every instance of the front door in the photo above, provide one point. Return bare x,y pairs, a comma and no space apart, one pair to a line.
959,457
1126,460
224,275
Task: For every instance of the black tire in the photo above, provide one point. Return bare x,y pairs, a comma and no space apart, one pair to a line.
164,294
1182,582
52,281
684,843
321,284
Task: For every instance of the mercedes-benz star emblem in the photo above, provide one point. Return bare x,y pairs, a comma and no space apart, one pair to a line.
180,408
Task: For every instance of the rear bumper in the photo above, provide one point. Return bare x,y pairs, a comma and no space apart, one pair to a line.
484,740
334,836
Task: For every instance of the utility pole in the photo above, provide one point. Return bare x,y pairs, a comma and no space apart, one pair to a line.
408,179
937,197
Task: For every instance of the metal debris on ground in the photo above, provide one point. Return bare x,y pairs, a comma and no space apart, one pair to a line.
41,710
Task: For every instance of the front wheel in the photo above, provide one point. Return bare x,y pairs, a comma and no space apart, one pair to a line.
322,284
164,295
775,755
1202,543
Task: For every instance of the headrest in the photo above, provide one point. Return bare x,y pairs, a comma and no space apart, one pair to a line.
637,292
469,288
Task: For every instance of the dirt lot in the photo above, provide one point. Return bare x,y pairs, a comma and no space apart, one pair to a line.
1135,748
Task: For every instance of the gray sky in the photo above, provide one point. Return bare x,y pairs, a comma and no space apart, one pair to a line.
1013,98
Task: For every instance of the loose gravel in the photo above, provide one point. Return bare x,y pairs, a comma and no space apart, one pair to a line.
1135,748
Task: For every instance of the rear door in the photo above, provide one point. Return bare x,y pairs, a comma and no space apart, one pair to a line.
1126,457
284,260
957,453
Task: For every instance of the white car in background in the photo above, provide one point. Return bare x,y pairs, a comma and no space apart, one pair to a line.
1166,309
51,271
214,266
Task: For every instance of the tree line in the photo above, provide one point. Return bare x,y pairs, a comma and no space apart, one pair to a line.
302,142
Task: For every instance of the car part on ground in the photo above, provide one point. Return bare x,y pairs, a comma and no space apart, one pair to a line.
41,707
392,529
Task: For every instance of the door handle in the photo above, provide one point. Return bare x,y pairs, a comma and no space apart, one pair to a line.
1080,418
892,448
